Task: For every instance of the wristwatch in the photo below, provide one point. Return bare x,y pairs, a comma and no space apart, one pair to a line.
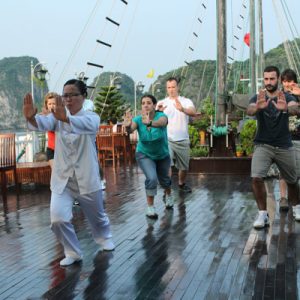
149,124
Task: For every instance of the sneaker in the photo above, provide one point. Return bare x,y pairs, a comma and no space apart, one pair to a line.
297,212
68,260
151,213
103,184
105,245
169,201
185,188
108,245
294,211
283,204
262,220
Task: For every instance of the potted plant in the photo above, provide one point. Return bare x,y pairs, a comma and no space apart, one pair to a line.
200,151
194,136
239,151
202,124
247,135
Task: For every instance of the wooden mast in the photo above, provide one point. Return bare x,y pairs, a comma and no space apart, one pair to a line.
220,146
261,60
221,62
252,89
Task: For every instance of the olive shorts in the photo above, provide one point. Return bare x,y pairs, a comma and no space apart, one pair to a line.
263,157
180,154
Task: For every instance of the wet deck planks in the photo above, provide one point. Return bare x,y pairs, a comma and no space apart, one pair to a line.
204,249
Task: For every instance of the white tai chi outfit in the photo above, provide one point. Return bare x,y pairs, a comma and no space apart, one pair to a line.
75,176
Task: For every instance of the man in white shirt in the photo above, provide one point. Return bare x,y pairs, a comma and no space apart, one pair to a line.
178,109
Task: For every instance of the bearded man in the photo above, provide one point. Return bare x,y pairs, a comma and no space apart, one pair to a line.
273,142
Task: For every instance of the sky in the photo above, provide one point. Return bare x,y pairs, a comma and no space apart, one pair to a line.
153,34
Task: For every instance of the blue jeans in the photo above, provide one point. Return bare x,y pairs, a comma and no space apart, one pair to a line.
155,171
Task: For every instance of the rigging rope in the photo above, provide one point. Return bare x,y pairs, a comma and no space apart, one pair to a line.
289,20
288,52
289,14
180,59
108,52
219,130
201,82
77,44
211,85
121,52
191,43
241,29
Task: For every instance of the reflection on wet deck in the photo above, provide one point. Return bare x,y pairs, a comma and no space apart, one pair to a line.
204,249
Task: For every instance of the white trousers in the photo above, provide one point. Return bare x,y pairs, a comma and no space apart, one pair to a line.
61,216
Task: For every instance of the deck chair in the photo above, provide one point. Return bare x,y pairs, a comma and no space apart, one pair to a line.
105,130
122,147
106,148
7,161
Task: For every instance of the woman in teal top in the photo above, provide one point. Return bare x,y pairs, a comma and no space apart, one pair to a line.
152,153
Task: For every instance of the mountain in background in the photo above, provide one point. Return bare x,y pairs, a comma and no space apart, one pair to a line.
15,82
197,82
197,79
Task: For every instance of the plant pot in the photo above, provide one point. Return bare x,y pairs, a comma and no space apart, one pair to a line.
239,153
202,137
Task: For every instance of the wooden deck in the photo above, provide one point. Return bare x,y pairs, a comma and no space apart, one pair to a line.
205,248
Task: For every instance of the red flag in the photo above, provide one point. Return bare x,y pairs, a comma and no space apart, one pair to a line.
247,39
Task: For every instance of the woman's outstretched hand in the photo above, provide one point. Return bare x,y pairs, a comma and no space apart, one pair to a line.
59,111
146,118
29,110
127,118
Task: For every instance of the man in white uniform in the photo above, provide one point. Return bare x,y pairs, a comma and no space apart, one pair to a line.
75,173
178,109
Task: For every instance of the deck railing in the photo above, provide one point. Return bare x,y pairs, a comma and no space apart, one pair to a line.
24,145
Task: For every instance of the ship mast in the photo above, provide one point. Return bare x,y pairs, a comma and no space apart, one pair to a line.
252,87
261,60
221,73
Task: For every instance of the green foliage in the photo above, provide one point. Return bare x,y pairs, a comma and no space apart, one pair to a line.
109,103
127,86
200,151
247,135
197,150
207,110
202,123
207,107
239,148
194,136
234,126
